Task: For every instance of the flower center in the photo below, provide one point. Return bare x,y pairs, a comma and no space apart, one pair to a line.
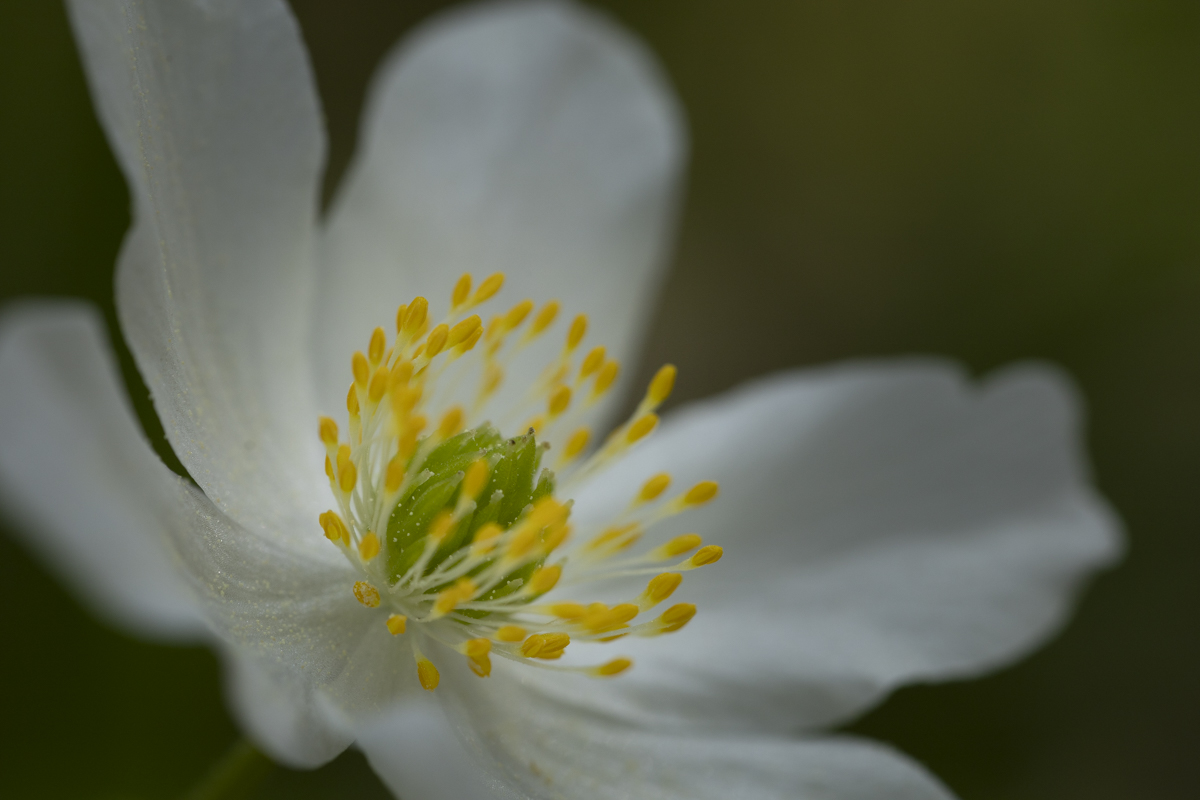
459,533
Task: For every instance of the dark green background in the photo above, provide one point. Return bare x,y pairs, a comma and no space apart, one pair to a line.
987,180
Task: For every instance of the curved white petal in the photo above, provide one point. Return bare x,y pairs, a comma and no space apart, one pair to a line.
211,110
76,471
514,743
882,523
534,138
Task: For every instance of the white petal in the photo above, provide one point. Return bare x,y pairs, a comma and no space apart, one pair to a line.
883,523
534,138
211,110
281,712
89,494
517,744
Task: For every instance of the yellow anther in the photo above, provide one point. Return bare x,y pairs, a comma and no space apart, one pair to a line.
462,591
676,617
400,318
493,376
400,375
462,290
451,423
679,545
709,554
475,479
360,368
379,384
377,345
368,548
436,341
343,456
701,493
486,534
661,386
366,594
554,536
328,431
545,645
397,624
641,428
394,477
405,399
522,541
601,619
335,529
347,476
605,378
352,400
427,673
545,579
511,633
546,511
592,361
517,314
329,468
577,331
652,488
476,651
614,667
567,610
544,318
560,398
491,284
415,316
464,330
660,588
441,525
576,444
616,538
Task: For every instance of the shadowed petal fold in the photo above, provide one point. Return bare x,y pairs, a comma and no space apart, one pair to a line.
882,523
211,111
534,138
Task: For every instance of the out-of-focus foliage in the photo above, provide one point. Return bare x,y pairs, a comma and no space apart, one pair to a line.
991,181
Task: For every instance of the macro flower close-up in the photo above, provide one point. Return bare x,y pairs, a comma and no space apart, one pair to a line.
427,513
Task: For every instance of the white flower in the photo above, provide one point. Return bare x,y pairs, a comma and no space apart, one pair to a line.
884,522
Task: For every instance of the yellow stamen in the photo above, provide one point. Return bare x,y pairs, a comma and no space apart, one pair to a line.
400,318
395,475
545,645
415,316
441,525
544,318
360,368
652,488
491,284
476,651
709,554
436,341
661,386
517,314
347,476
397,623
601,619
366,594
462,591
677,546
327,429
475,479
379,384
486,534
617,538
464,330
614,667
368,548
578,330
427,674
701,493
451,423
676,617
461,291
575,445
591,362
641,428
660,588
377,345
352,401
511,633
605,378
545,579
560,398
567,610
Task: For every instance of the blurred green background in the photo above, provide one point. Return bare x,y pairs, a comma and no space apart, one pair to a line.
991,181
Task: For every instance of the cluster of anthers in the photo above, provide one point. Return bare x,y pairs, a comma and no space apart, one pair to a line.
457,529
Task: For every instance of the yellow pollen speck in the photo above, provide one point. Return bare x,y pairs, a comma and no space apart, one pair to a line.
701,493
475,479
652,488
545,579
544,318
462,290
451,423
641,428
491,284
661,587
415,316
661,386
614,667
560,398
545,645
707,555
578,330
592,361
676,617
360,368
511,633
605,378
427,673
376,347
397,623
347,476
368,548
328,431
366,594
463,330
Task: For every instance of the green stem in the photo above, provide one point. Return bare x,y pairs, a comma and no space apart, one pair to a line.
235,776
